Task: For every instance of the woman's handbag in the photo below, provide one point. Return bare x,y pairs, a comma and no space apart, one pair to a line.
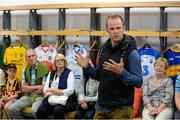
72,102
55,99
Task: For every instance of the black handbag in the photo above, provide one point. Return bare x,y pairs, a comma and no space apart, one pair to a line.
72,102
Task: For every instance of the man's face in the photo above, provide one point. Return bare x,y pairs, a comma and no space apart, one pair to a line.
115,29
31,58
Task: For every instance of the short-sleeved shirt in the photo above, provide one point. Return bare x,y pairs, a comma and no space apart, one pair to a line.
11,89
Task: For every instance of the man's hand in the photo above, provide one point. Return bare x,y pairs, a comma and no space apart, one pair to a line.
113,66
82,61
38,89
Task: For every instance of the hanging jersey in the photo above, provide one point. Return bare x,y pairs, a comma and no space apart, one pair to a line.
1,57
46,55
148,57
173,58
77,70
16,55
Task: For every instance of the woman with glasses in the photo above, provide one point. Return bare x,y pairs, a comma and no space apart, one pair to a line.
58,87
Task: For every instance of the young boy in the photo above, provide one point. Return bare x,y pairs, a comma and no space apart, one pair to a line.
12,88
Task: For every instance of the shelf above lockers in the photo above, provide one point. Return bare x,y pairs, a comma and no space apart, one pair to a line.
93,5
165,4
91,33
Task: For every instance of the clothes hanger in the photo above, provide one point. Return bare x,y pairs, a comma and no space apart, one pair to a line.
45,43
176,46
94,46
77,42
146,46
62,44
17,43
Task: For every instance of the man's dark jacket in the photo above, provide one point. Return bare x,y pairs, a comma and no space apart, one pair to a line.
112,93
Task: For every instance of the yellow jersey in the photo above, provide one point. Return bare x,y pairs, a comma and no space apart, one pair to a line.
16,55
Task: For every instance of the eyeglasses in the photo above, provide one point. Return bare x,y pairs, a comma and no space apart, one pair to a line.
60,60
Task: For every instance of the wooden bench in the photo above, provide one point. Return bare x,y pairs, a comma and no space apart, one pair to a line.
70,115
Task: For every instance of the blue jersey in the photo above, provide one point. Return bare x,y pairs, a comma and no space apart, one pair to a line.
148,57
173,58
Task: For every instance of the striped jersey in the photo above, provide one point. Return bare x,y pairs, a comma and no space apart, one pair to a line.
12,88
173,58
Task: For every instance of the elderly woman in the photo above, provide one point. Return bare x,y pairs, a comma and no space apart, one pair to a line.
58,87
158,93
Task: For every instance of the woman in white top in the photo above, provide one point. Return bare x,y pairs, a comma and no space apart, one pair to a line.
58,87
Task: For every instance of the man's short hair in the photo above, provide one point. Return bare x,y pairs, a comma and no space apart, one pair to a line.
113,17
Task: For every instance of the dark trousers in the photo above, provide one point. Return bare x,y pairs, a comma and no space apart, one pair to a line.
177,115
46,109
85,113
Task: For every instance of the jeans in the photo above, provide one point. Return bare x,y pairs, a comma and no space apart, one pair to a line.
85,113
46,109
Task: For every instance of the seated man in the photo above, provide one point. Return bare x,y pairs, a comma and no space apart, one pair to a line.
34,76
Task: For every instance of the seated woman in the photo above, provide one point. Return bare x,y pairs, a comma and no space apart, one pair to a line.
88,94
158,93
177,98
59,84
12,89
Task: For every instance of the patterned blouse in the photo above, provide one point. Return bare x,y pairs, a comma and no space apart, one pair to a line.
155,95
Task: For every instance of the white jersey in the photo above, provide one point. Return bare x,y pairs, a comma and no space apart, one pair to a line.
46,55
148,58
72,65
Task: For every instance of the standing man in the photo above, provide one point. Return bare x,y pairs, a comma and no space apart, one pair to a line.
34,76
118,70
